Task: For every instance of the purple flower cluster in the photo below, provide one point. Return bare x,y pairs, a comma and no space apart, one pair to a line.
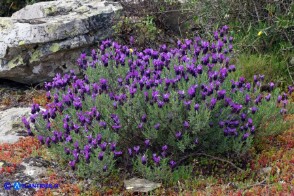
86,113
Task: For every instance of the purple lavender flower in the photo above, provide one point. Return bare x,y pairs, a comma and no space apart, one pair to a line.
132,40
147,143
116,127
67,151
245,136
25,122
164,148
250,122
155,95
186,124
268,97
215,35
232,68
187,105
243,117
103,83
77,103
279,98
103,146
166,97
48,126
87,156
72,164
160,104
221,94
140,125
181,94
179,135
156,159
157,126
35,108
136,149
112,146
41,139
144,159
117,153
102,124
236,108
252,129
248,86
105,168
196,107
192,92
47,142
76,128
212,103
172,164
101,155
283,111
196,141
253,110
33,118
210,124
144,118
221,124
69,139
98,138
199,69
247,99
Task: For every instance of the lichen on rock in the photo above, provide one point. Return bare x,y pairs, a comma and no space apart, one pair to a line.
42,33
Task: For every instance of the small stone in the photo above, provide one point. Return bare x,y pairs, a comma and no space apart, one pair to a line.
266,170
140,185
1,164
35,167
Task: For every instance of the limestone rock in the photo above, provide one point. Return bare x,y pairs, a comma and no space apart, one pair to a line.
11,124
46,38
35,167
140,185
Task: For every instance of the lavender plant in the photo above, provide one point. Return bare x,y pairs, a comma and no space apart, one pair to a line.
148,110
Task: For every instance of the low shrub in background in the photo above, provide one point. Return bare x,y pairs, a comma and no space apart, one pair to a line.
147,112
261,29
8,7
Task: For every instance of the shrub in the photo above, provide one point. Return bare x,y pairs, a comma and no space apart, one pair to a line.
147,111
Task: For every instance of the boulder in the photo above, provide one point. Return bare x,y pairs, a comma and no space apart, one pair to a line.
139,185
11,124
46,38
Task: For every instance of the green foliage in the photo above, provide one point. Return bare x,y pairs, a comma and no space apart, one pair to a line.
262,29
273,66
144,30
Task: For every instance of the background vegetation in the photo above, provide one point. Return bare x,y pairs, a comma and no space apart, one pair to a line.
263,30
8,7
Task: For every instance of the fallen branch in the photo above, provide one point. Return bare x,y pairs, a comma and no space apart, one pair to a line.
212,157
262,183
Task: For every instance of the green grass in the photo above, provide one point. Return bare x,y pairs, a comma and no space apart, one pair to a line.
271,65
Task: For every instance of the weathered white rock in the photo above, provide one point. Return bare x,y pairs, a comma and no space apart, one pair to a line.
140,185
10,123
35,167
47,37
